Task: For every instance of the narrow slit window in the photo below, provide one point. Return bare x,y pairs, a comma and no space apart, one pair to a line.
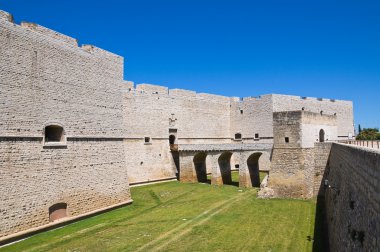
286,139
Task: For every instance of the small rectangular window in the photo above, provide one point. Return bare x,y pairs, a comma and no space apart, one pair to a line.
241,111
237,136
147,139
286,139
256,135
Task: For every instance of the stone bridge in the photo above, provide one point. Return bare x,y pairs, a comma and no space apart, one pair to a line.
198,160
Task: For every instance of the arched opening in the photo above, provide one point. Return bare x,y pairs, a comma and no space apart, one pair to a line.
224,163
200,166
254,169
171,139
321,136
57,211
53,133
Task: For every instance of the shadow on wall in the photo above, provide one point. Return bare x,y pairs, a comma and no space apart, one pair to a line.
321,237
224,163
200,167
253,169
175,156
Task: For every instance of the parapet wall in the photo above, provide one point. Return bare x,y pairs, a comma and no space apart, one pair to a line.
353,199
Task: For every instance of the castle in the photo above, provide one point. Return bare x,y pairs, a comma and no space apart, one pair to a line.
74,135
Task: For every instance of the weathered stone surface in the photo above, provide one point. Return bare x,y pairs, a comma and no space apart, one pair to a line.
293,159
352,199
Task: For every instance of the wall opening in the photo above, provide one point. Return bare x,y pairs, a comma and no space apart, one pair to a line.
199,161
147,140
224,163
57,211
321,136
171,139
286,139
256,135
254,169
238,136
54,134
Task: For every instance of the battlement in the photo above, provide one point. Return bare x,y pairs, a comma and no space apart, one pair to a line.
48,32
304,98
152,89
5,16
182,93
57,36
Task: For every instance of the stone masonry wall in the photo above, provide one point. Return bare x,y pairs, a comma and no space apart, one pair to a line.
151,111
321,162
87,175
45,78
353,201
293,159
342,109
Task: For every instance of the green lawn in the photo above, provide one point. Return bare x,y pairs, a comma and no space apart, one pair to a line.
187,217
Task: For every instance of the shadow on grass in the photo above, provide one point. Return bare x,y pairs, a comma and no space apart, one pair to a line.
321,239
233,183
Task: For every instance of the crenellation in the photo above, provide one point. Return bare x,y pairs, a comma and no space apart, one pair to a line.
5,16
213,98
151,89
48,32
182,93
128,86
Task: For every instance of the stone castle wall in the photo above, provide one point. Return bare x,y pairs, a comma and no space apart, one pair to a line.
293,160
45,79
342,109
353,201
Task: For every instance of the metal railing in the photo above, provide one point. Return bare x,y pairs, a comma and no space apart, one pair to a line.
375,144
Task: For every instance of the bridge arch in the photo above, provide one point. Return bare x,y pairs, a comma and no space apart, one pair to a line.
224,165
254,168
199,161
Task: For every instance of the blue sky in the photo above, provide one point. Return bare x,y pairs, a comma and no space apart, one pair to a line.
323,48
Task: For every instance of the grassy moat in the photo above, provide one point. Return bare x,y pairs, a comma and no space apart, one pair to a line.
188,217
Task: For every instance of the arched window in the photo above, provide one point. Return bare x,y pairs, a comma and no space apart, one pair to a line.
54,134
57,211
321,136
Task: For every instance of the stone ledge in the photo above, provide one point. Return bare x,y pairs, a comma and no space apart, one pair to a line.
224,147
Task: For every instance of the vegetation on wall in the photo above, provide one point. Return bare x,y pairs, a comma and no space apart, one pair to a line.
368,134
